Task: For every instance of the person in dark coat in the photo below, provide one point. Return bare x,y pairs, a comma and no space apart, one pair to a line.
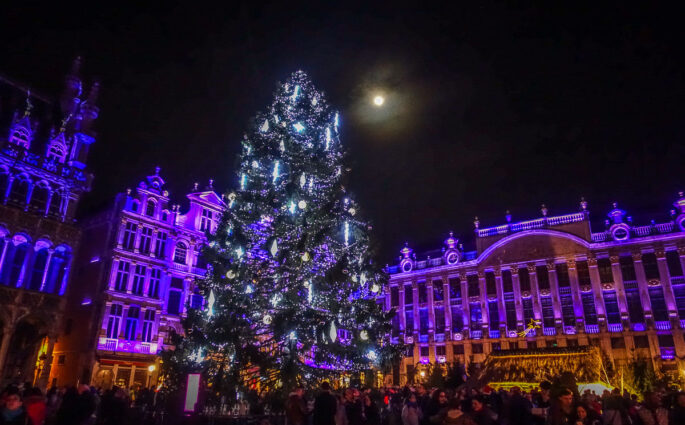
13,413
295,409
678,411
353,407
519,408
481,414
371,412
325,406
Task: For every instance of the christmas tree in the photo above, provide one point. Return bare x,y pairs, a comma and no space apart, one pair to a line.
292,289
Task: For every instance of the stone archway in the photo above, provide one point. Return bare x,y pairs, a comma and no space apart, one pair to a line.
21,360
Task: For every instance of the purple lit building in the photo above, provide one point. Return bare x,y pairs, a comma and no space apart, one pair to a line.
43,154
551,281
137,270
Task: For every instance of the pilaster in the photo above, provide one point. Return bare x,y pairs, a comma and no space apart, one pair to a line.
620,290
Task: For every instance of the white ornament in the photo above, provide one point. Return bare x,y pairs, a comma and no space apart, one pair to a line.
311,184
364,335
255,164
276,299
307,284
243,180
239,252
282,146
347,233
265,127
363,278
295,93
292,207
249,289
210,303
230,274
371,355
305,256
197,356
333,332
275,174
302,205
292,335
314,102
375,288
282,123
267,319
298,127
303,180
274,248
352,211
310,293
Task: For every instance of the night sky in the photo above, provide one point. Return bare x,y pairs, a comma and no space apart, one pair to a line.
488,108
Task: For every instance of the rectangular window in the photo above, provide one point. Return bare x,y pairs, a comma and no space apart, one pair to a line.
650,265
679,293
437,291
145,240
524,279
423,292
583,273
627,268
473,284
197,300
507,283
589,309
656,296
477,348
458,349
634,306
476,316
139,279
618,342
131,323
604,268
562,275
61,359
115,312
155,277
510,306
394,296
174,306
567,312
543,277
611,305
439,320
395,325
490,283
409,321
572,342
457,319
408,295
641,341
496,346
440,350
493,311
455,289
666,341
148,324
423,321
528,314
547,312
206,220
424,351
160,244
675,268
121,280
129,236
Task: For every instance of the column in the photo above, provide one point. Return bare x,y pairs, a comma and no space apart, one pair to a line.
136,242
120,233
27,260
485,313
643,288
597,290
400,311
29,193
554,293
146,286
465,304
153,242
47,204
131,273
535,292
47,268
431,306
517,297
620,290
500,303
575,292
447,306
415,307
8,189
5,345
113,273
4,251
665,278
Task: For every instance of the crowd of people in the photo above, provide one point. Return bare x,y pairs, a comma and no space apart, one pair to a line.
81,405
414,405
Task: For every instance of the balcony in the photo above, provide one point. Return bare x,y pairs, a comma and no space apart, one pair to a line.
494,333
549,331
677,280
111,344
639,327
423,338
592,329
439,337
615,327
682,323
476,334
667,353
662,325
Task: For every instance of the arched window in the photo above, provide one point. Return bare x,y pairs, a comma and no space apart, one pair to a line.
150,208
20,137
20,188
165,216
55,209
57,269
57,152
39,264
201,262
4,178
39,198
180,253
15,263
135,206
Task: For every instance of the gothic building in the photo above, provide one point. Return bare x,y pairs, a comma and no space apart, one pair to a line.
546,282
136,271
43,156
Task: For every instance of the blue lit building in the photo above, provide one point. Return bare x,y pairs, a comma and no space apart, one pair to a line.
546,282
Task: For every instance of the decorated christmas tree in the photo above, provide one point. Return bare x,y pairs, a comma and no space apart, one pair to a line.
292,291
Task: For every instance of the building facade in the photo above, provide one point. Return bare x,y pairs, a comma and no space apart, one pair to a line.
42,177
547,282
139,261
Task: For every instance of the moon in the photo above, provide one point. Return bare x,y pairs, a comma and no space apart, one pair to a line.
378,100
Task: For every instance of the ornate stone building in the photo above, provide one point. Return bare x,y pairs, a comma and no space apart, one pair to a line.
546,282
43,156
136,273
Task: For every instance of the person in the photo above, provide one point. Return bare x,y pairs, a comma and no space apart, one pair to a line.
371,412
455,416
437,409
35,405
585,415
353,407
423,400
13,413
561,409
325,406
652,413
518,408
295,409
678,411
481,414
411,412
615,410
